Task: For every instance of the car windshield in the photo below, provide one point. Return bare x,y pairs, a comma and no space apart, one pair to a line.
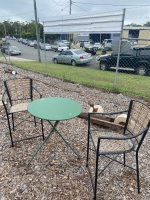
79,52
14,48
62,45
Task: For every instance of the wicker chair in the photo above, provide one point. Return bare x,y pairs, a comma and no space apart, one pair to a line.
17,94
110,143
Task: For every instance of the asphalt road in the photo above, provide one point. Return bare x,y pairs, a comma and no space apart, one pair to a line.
32,54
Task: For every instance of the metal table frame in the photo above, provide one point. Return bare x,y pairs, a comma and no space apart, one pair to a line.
54,129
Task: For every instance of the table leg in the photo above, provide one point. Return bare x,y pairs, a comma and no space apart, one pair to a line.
40,146
67,144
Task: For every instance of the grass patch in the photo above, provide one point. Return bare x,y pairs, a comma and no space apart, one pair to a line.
129,84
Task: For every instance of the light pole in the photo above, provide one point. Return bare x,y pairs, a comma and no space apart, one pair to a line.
37,32
70,7
4,29
70,36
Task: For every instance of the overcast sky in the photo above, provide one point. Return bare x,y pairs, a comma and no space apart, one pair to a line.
137,11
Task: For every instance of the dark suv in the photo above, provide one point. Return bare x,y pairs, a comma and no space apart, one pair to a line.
136,59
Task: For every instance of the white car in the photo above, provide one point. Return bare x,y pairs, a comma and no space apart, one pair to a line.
98,45
13,50
46,47
31,43
62,47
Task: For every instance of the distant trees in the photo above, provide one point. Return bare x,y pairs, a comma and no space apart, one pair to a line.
133,24
23,30
147,24
20,29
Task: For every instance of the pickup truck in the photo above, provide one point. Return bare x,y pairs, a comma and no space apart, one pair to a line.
60,47
136,59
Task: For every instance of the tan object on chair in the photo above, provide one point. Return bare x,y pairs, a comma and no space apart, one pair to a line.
96,108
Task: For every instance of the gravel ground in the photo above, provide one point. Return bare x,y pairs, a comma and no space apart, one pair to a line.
56,174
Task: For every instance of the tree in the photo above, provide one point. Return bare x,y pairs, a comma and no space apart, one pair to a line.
133,24
147,24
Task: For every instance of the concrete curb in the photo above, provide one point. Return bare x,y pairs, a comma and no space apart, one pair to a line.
12,58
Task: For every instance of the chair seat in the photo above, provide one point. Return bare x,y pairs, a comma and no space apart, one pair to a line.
108,146
18,107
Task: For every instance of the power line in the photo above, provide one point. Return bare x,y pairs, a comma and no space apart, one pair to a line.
104,4
80,8
28,12
63,9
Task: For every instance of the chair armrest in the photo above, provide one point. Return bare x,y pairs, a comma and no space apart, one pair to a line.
123,138
37,91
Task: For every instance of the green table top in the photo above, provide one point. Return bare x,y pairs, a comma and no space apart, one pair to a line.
54,108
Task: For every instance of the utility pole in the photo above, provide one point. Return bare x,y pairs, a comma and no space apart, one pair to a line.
70,36
4,29
37,32
70,7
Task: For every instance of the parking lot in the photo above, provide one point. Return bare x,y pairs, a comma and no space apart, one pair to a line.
32,54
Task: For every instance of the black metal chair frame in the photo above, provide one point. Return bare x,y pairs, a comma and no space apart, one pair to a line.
8,99
127,135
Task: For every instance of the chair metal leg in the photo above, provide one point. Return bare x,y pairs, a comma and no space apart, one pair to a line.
11,138
96,176
137,171
87,158
13,121
124,159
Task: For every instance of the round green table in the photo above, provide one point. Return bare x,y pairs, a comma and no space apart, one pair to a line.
54,109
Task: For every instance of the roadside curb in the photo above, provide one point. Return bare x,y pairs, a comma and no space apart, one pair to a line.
12,58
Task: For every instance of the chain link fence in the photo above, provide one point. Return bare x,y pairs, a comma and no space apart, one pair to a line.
124,56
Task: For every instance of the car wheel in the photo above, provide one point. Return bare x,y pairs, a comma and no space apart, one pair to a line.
141,70
103,66
55,61
73,63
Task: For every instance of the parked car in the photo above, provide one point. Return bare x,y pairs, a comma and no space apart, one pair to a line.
24,41
4,46
35,44
60,47
73,57
13,50
98,45
46,47
31,43
91,50
107,44
136,60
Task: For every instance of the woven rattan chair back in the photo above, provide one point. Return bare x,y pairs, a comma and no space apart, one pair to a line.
138,118
18,90
18,93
